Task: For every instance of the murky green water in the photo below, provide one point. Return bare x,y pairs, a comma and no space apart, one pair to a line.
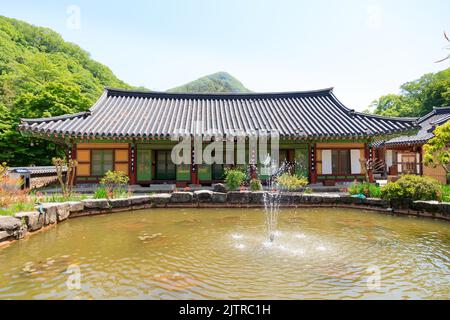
224,254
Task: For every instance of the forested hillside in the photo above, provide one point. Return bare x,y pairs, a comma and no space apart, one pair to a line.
218,82
417,97
42,75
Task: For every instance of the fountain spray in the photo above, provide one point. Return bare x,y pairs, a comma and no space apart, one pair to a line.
272,198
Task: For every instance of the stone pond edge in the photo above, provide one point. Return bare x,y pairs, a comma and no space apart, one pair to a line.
47,215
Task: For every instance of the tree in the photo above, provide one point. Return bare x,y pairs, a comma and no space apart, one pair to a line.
448,48
437,151
65,180
417,97
41,75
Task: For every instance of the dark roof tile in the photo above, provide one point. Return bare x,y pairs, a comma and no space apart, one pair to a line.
427,125
309,114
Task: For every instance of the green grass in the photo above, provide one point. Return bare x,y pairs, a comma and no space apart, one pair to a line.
17,207
33,199
53,198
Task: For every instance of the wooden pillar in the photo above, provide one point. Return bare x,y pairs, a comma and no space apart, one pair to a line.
420,151
312,163
73,156
368,150
132,170
194,169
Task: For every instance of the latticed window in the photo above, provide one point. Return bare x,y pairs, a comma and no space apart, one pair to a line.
341,162
102,162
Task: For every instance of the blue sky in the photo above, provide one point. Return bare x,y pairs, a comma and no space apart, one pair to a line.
362,48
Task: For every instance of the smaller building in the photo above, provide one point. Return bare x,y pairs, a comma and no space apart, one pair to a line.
404,155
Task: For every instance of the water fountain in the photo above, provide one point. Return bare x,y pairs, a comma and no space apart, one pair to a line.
272,198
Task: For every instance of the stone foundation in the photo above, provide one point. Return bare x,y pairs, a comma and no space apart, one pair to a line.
16,228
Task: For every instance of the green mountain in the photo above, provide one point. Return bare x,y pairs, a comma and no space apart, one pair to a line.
416,98
42,75
221,82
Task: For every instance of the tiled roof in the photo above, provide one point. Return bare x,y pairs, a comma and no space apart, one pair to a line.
301,115
427,124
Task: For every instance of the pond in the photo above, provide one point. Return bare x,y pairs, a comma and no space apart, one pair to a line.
226,254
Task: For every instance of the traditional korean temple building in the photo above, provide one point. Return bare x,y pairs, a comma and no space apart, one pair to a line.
404,154
131,131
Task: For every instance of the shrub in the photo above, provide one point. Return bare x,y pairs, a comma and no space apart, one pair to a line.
114,182
101,193
414,188
446,193
115,178
234,178
291,181
367,189
3,169
255,185
12,198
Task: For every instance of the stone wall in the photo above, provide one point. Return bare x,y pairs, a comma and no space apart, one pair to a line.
47,215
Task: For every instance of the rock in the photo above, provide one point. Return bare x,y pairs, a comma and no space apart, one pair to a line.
50,213
353,200
401,203
62,211
311,199
257,197
4,236
296,198
9,224
306,199
359,201
54,212
375,202
237,197
444,209
159,199
347,199
75,206
203,196
218,197
120,203
427,206
182,197
220,188
140,200
331,198
286,198
20,233
34,220
96,204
